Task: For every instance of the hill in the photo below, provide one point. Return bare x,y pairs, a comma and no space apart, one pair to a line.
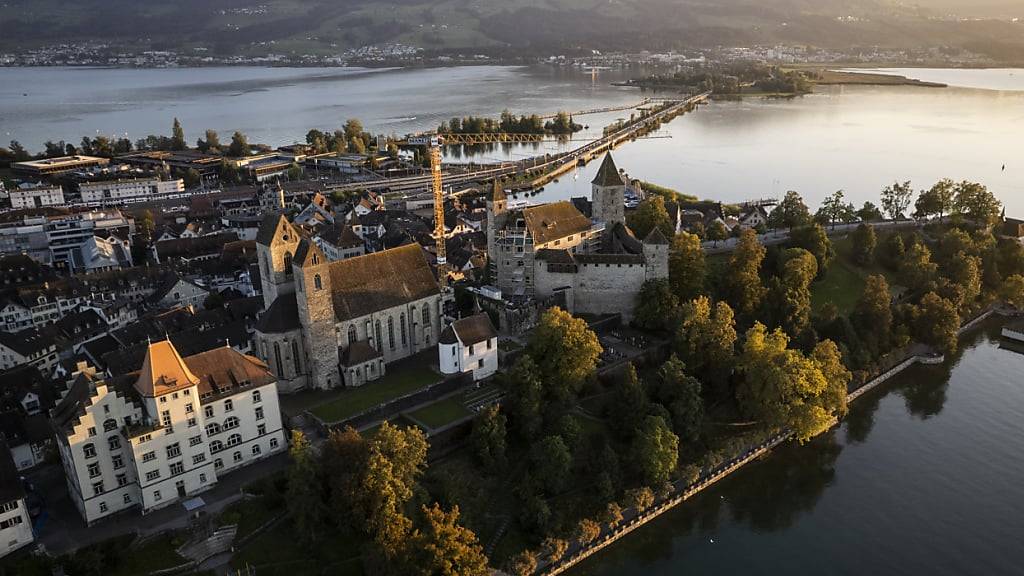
534,26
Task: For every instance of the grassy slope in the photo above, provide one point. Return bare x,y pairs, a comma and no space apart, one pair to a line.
844,281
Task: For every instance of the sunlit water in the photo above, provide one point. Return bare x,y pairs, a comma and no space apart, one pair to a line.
857,139
923,477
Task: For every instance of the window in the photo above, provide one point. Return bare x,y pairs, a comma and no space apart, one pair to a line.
273,443
480,363
109,424
145,438
379,342
426,316
122,479
156,496
187,392
490,343
103,506
288,264
261,429
208,411
317,283
163,399
118,462
237,456
127,498
94,470
192,422
149,456
175,395
92,431
10,522
174,450
351,335
218,464
471,347
401,327
198,459
259,412
152,475
195,440
212,429
231,423
391,332
202,478
234,440
216,446
89,450
188,408
255,449
177,468
97,488
256,398
277,360
295,356
114,443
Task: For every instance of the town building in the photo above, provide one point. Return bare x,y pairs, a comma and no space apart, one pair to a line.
30,346
36,196
54,166
165,433
56,236
317,310
126,190
469,345
15,523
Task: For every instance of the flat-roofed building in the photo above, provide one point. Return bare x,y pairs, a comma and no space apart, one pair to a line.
125,190
61,165
36,196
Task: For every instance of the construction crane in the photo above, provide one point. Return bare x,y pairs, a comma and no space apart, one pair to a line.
433,144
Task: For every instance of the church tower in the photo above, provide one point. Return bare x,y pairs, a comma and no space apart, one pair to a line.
276,243
316,315
609,194
497,206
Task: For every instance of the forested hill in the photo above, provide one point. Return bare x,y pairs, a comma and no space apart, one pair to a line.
320,26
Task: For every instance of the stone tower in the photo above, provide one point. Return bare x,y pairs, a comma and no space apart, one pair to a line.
276,243
609,194
316,315
655,255
497,206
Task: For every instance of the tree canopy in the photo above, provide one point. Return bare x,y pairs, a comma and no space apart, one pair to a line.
686,267
650,214
566,351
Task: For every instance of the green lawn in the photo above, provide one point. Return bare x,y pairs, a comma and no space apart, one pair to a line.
248,514
401,379
442,413
156,554
279,552
844,281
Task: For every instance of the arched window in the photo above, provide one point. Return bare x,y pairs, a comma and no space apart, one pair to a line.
379,342
317,283
401,327
277,360
351,334
212,429
391,332
234,440
231,423
109,424
315,259
216,446
295,357
426,316
287,263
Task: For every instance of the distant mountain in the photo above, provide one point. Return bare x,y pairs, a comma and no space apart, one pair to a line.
531,26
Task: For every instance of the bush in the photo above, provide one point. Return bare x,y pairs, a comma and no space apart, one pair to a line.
523,564
554,549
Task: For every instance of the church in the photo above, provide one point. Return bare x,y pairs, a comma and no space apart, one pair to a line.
331,324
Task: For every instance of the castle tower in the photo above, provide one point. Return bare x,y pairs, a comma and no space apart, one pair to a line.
276,243
609,194
316,315
656,255
497,206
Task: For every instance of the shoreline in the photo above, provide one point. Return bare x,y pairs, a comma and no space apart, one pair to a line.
830,77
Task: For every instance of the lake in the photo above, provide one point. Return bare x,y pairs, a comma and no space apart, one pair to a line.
923,477
857,139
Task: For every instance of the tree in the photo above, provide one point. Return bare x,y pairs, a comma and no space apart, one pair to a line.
896,199
782,387
650,214
566,351
965,271
192,178
706,339
239,146
305,502
869,213
833,208
814,239
550,463
639,499
918,270
743,281
444,548
864,243
680,394
976,203
554,549
612,514
630,403
178,136
523,564
791,212
656,450
525,397
794,297
213,301
657,307
686,269
145,226
343,463
1013,291
294,171
938,200
893,252
211,143
936,322
587,531
488,438
717,232
873,313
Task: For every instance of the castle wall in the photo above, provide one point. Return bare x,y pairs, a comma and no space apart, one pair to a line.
608,288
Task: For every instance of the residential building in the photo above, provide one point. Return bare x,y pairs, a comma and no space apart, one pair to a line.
167,432
30,346
15,523
107,192
469,345
36,196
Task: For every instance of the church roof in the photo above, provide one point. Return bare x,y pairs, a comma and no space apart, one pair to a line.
358,352
282,316
308,254
381,280
268,228
549,222
608,173
163,371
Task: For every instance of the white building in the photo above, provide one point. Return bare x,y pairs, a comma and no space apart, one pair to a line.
124,190
469,345
167,432
15,524
36,196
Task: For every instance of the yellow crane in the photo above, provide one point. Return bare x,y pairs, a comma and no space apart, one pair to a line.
433,144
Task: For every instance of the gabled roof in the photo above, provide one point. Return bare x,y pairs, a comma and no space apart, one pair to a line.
608,173
308,254
656,237
358,352
225,370
163,371
549,222
381,280
269,227
282,316
477,328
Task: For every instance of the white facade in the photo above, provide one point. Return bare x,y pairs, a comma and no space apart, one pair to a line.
469,345
37,196
15,526
112,191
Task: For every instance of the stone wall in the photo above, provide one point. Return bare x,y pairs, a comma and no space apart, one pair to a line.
595,288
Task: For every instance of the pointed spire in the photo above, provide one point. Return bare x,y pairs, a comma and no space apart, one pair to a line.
608,173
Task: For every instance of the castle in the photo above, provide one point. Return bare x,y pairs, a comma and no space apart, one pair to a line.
595,265
331,324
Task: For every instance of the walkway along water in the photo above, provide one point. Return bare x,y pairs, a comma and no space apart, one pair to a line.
633,519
